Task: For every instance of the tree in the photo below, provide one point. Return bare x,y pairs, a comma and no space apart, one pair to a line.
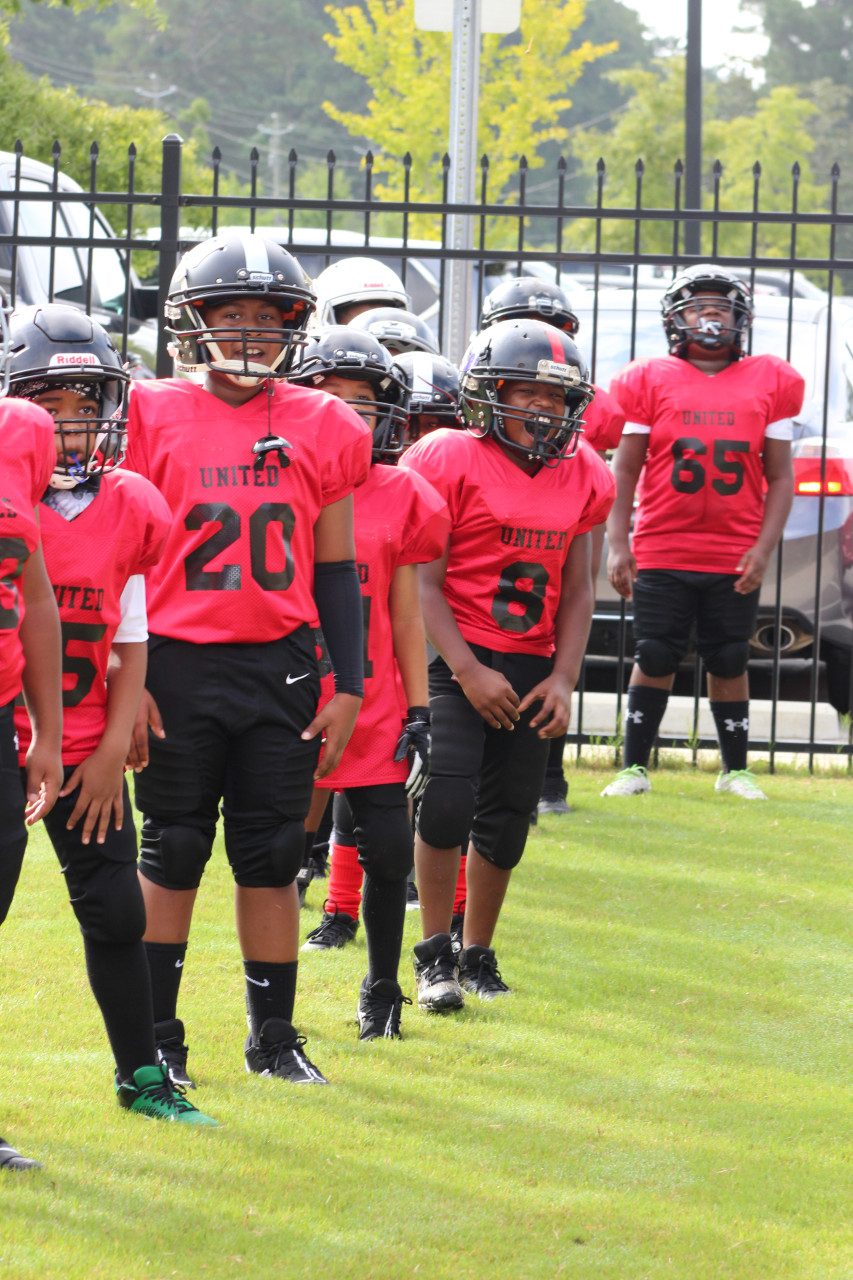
807,42
523,82
776,136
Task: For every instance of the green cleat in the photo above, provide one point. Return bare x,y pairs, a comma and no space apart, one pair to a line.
150,1092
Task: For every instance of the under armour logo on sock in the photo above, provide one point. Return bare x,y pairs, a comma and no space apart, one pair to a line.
731,725
636,716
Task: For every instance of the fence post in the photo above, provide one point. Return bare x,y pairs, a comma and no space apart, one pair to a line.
170,226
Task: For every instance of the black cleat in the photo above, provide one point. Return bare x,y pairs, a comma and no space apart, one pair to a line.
13,1160
478,973
332,931
278,1052
435,974
172,1051
457,923
553,804
380,1005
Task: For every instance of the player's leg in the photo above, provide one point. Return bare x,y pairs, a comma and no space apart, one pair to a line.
384,840
178,795
726,622
555,788
343,898
664,613
13,843
510,781
267,795
315,857
445,814
105,895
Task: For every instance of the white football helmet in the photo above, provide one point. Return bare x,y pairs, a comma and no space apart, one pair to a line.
363,281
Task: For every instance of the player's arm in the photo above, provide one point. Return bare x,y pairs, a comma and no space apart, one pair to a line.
627,464
779,474
337,595
100,776
409,638
41,640
572,623
488,691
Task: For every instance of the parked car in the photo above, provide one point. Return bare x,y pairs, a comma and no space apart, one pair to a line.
824,356
36,273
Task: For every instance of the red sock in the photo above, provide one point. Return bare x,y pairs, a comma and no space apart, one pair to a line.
345,877
461,889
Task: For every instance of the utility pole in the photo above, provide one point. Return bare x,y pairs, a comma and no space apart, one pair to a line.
274,133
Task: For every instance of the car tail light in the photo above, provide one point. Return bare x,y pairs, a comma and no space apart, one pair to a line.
837,479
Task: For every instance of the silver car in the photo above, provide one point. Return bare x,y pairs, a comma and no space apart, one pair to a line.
819,343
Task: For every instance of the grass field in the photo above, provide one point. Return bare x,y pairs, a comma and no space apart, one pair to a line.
667,1093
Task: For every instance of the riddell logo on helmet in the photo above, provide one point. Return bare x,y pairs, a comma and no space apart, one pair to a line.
73,358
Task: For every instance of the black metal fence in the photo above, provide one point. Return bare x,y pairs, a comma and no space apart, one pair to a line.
113,253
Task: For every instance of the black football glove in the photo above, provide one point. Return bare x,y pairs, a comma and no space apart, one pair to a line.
414,745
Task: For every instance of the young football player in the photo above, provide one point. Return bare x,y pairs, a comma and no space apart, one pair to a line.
508,607
398,331
102,528
710,427
400,522
30,645
529,298
259,475
352,285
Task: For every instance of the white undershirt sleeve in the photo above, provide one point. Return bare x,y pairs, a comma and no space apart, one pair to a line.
781,430
134,616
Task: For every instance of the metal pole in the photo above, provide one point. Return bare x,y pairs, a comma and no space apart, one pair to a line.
693,125
464,91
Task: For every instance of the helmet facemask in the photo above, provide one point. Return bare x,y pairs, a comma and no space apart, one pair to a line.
554,437
197,344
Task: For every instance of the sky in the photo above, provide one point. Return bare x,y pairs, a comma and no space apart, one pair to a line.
719,45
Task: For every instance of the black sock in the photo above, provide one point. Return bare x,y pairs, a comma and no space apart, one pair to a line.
166,963
270,991
310,837
646,706
383,910
732,721
121,984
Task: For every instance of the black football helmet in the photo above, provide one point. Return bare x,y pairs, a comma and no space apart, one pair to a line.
348,353
433,392
529,298
5,343
57,347
228,267
397,330
525,351
688,287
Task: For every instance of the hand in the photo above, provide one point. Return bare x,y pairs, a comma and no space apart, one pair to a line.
751,568
147,717
490,693
414,745
622,571
100,779
336,722
44,778
555,694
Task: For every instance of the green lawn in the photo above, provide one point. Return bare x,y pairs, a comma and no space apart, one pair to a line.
666,1093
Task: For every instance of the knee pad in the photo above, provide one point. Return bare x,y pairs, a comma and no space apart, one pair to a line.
386,844
268,858
506,840
177,855
108,903
446,812
727,660
657,657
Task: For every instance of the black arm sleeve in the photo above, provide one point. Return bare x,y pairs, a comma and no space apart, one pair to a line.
338,597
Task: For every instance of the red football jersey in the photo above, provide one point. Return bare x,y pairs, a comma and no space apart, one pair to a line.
26,465
511,534
89,560
239,561
701,496
399,519
603,421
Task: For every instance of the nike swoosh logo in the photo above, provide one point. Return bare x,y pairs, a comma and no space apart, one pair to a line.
256,983
179,964
292,679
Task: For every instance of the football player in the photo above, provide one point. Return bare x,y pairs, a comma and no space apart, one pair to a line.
102,529
508,607
397,330
259,475
711,427
30,646
353,285
433,393
529,298
400,522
